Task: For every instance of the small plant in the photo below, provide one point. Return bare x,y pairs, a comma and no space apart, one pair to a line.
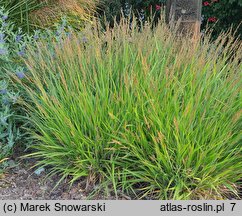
9,133
144,112
13,44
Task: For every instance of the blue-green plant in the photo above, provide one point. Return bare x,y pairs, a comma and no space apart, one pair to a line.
13,44
9,132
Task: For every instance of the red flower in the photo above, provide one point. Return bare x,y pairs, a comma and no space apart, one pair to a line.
206,3
157,7
212,19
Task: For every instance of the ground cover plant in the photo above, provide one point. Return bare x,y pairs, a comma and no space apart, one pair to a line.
138,111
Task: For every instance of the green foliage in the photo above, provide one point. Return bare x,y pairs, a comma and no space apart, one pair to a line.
147,111
239,2
224,13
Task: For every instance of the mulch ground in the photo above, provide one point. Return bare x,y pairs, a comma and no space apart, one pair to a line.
21,183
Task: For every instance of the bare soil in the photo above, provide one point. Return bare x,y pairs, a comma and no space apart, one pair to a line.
21,183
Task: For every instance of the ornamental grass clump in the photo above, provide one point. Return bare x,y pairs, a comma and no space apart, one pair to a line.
77,12
139,111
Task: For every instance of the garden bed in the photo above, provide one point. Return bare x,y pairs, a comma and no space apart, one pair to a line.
21,183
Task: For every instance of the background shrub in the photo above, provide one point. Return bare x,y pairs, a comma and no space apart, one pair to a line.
77,12
141,9
160,118
34,14
225,13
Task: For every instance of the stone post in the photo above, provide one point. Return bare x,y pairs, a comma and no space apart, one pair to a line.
187,12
